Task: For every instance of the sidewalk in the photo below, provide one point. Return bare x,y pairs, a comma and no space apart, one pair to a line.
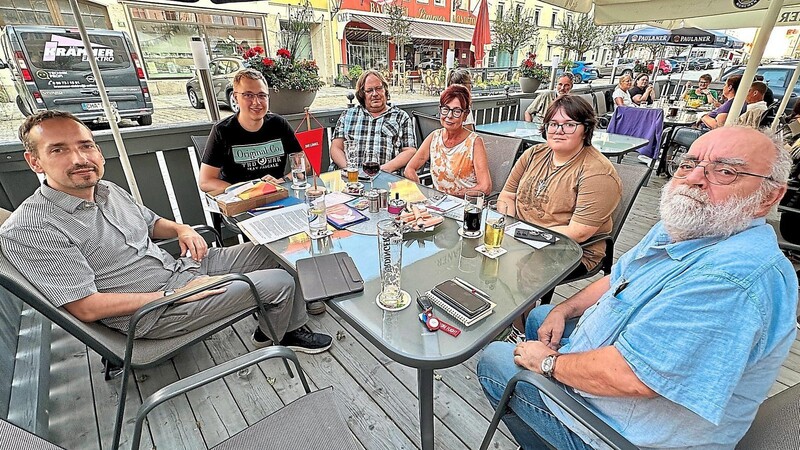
175,108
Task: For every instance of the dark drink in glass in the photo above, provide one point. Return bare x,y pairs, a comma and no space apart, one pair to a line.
472,220
371,168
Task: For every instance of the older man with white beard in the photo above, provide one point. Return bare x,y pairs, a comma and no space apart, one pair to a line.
679,345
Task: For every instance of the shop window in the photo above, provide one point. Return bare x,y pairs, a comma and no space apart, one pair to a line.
43,12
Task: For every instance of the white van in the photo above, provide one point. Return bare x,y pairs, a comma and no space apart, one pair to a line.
51,70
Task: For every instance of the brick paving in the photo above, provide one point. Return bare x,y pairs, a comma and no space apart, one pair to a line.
175,108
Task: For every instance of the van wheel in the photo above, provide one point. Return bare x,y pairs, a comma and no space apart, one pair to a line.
232,103
145,120
22,107
194,99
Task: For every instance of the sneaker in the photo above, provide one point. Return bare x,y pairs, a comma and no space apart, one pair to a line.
306,341
645,159
260,340
315,308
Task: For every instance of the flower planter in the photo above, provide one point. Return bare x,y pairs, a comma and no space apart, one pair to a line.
290,101
529,85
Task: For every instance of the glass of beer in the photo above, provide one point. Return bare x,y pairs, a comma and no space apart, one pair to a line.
496,212
473,213
299,170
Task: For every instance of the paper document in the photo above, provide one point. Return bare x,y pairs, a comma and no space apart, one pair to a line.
278,224
210,204
335,198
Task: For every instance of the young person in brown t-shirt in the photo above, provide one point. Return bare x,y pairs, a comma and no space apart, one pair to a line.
565,184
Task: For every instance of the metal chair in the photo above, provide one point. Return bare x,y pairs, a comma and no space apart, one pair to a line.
280,430
632,177
13,437
524,103
121,350
425,125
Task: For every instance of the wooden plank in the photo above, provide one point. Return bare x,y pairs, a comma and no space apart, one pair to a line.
73,423
31,380
10,310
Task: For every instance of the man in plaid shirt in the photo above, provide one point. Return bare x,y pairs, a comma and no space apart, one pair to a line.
378,128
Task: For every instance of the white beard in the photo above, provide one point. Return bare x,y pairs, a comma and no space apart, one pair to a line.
688,214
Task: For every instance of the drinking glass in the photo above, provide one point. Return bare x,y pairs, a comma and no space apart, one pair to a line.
371,167
390,251
496,212
473,213
351,153
299,170
317,218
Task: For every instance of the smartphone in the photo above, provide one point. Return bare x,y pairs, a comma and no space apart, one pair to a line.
533,235
465,301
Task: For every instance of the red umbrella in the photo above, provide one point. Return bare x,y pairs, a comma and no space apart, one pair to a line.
482,36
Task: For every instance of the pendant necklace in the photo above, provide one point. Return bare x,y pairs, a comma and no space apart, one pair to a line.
541,186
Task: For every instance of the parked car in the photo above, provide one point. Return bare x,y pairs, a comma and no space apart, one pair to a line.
584,71
677,66
701,64
430,63
50,70
664,66
624,67
777,78
222,71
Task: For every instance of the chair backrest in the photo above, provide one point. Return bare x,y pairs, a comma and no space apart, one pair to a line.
501,152
776,423
13,437
425,125
632,177
589,99
199,146
645,123
523,105
600,103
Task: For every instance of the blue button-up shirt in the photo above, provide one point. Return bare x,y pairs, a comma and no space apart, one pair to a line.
705,323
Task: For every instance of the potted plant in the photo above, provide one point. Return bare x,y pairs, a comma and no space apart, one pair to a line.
531,74
354,74
293,84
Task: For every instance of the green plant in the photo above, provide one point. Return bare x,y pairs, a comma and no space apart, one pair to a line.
283,71
531,69
567,64
355,72
641,67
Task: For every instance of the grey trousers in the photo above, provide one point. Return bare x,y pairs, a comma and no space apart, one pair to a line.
286,308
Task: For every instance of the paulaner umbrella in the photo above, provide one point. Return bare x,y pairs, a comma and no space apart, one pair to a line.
482,36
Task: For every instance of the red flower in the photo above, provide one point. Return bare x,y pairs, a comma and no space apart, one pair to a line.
528,63
258,50
284,53
269,62
249,53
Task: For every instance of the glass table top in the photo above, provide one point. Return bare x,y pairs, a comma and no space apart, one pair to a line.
512,281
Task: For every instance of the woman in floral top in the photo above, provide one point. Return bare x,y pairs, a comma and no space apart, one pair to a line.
457,155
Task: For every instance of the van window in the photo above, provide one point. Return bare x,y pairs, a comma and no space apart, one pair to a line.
64,51
774,77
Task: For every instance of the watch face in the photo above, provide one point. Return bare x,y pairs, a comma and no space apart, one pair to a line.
547,365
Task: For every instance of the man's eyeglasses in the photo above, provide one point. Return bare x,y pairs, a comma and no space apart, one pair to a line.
250,96
457,112
716,173
566,128
370,91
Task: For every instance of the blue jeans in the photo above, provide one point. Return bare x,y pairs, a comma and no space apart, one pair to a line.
529,419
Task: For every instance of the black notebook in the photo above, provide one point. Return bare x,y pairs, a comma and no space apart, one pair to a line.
328,276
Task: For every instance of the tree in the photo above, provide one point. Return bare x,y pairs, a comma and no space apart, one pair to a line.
399,27
296,31
513,31
580,34
617,50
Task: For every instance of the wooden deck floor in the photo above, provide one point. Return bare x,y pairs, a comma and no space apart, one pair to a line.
377,396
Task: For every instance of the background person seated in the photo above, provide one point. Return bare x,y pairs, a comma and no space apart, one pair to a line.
621,95
642,92
538,106
566,184
702,93
375,126
679,345
457,155
717,117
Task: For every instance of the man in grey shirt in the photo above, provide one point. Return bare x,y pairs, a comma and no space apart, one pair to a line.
87,246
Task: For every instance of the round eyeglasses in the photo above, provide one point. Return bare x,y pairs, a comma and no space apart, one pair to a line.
445,110
566,128
715,173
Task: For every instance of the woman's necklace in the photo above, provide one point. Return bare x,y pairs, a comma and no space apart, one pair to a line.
541,186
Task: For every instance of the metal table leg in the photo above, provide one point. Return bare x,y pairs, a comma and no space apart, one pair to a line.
425,395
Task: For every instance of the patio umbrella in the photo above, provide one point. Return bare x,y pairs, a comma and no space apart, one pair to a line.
482,36
712,13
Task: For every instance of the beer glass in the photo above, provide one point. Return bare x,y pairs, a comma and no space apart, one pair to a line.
351,153
496,211
390,251
473,213
299,170
317,218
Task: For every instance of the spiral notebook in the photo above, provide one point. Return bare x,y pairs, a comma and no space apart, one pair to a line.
456,313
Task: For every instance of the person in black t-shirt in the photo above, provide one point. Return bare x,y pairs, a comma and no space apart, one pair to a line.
250,144
642,91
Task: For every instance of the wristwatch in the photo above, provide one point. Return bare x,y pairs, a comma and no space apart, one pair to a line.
549,365
169,292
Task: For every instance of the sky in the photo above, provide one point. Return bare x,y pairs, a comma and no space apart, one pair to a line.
778,45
